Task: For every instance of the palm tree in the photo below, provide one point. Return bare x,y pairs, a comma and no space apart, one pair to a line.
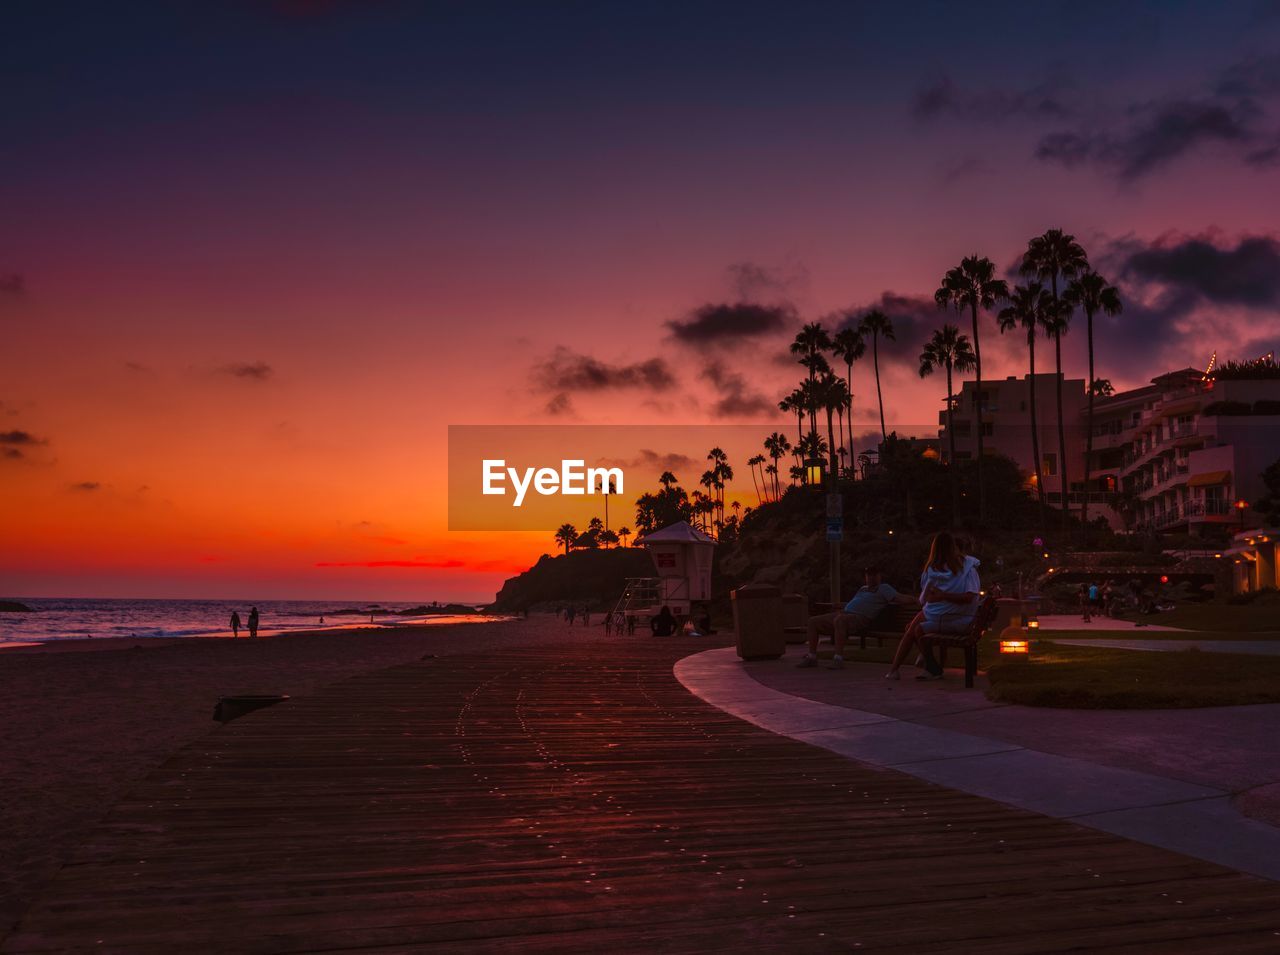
948,349
794,402
810,342
972,285
1026,305
610,487
833,392
624,532
1055,320
567,536
667,479
878,325
1053,255
849,345
1091,293
777,445
754,462
772,469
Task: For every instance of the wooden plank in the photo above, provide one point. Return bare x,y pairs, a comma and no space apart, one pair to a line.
568,799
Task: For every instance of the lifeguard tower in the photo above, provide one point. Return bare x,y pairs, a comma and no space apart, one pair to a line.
682,558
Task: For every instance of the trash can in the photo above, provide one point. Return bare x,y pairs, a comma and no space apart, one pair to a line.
795,617
757,622
233,707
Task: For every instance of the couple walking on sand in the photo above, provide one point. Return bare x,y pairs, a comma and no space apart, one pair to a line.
949,591
253,623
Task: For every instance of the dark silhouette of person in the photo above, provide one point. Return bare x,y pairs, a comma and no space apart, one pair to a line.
664,624
235,624
253,621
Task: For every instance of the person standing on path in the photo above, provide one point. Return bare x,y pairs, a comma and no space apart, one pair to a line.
235,624
253,622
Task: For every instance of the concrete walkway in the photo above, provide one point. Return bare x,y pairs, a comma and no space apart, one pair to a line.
1189,817
1266,648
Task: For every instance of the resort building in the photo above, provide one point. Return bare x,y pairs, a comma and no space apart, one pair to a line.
1254,556
1006,426
1187,451
1183,454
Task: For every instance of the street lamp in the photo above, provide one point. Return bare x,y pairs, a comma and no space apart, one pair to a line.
1240,506
813,471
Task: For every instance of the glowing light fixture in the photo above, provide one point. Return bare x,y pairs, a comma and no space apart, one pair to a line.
1015,647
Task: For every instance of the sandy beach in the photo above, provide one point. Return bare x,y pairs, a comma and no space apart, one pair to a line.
84,720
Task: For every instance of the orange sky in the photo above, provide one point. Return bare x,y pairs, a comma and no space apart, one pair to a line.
266,262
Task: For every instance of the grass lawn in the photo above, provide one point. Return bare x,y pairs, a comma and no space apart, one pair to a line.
1142,633
1260,616
1101,678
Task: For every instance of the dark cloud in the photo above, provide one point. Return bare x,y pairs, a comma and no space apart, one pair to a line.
1199,269
249,371
1251,78
14,444
86,486
569,371
1186,296
761,283
943,98
914,319
1155,134
735,398
559,404
726,324
649,459
137,367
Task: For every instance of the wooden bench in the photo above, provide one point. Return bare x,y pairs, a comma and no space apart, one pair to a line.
889,624
967,641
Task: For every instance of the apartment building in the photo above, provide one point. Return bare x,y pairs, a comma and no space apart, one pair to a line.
1181,454
1187,452
1006,426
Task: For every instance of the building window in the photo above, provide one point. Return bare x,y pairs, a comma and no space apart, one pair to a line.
1050,464
988,429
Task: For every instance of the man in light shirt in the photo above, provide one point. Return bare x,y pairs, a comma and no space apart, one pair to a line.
872,597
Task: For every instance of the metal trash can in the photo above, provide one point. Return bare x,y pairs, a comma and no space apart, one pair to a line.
233,707
757,622
795,617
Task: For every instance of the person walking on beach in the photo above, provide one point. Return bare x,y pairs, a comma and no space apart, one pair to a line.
235,624
253,622
586,615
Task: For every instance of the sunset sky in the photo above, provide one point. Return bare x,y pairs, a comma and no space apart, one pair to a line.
255,257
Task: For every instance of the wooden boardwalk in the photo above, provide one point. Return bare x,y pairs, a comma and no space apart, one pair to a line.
581,799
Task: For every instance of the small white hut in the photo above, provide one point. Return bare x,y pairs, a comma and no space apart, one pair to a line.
682,557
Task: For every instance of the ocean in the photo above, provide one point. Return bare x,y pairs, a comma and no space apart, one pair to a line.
76,619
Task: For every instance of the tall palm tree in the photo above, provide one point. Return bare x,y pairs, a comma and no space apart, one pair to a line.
794,402
950,350
624,532
610,487
1055,321
832,392
849,345
878,325
1056,255
777,445
1092,294
667,479
810,342
567,536
972,285
1026,305
753,462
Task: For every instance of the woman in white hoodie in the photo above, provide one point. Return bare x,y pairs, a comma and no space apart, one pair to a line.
949,588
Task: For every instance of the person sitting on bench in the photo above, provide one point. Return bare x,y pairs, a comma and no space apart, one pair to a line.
872,597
